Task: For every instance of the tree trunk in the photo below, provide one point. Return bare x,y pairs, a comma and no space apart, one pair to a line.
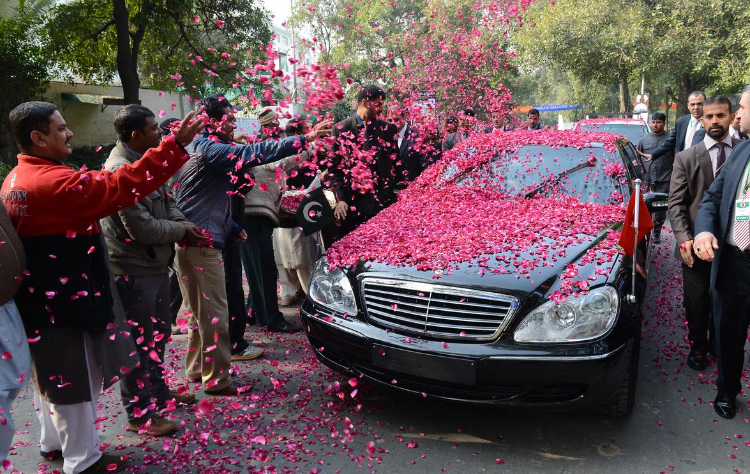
126,62
687,85
625,102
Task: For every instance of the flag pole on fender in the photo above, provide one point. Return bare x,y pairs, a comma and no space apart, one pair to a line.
638,221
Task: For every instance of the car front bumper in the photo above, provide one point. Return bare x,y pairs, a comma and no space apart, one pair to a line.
489,373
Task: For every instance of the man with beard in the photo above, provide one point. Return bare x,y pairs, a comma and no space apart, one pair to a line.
723,236
694,171
362,172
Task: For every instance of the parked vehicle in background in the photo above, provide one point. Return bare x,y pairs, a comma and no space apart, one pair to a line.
632,129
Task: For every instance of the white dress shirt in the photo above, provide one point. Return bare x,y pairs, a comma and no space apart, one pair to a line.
734,133
692,128
401,134
713,151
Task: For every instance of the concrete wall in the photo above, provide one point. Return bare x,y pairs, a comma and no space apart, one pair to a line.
92,126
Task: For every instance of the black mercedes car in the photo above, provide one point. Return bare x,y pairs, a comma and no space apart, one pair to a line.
496,278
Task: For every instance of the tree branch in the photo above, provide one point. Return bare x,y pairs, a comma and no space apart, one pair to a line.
101,30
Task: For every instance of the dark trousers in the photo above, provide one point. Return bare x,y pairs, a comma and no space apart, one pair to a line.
235,296
175,295
696,283
260,240
659,217
146,302
732,317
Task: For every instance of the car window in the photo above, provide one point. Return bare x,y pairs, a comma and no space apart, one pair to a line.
591,174
633,162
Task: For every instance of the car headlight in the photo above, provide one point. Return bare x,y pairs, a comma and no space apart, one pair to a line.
580,318
332,289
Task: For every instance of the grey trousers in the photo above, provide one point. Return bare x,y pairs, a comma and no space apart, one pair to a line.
146,302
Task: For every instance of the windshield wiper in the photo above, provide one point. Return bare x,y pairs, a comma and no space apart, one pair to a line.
557,178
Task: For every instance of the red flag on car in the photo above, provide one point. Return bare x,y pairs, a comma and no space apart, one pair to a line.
645,224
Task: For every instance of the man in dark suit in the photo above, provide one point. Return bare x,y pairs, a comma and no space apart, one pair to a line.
685,127
693,173
411,161
466,121
723,236
362,169
659,171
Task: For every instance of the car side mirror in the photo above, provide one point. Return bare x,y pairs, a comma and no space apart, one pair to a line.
656,202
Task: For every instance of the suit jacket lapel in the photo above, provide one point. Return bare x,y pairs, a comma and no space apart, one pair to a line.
704,161
404,142
733,176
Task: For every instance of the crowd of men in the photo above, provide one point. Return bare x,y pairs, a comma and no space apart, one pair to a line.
703,166
95,264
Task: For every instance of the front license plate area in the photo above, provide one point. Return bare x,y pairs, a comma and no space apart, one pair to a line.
418,364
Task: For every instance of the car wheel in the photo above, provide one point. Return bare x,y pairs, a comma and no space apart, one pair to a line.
623,402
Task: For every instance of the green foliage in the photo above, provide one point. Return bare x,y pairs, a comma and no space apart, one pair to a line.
164,38
25,73
89,156
5,170
678,45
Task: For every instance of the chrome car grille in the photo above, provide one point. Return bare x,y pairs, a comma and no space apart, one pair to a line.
436,311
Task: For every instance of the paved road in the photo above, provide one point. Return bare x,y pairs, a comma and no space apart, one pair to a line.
298,420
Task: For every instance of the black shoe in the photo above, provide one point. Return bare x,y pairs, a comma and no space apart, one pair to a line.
51,455
725,407
251,321
697,360
288,327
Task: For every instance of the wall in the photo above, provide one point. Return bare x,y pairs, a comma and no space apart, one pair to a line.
92,126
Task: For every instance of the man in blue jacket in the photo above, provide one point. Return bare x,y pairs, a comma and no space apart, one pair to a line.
202,191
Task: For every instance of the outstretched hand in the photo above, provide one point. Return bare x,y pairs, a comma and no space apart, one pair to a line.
186,131
320,130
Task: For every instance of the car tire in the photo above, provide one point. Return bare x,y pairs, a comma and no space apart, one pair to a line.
622,404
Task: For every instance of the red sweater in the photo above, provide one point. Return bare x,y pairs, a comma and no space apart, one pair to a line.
46,197
55,211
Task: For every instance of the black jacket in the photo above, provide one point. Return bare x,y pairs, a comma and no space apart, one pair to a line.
675,143
411,162
349,139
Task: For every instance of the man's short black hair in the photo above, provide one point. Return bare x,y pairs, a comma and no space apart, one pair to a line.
166,125
129,119
469,112
371,92
451,119
533,112
659,116
295,126
27,117
696,93
215,105
718,99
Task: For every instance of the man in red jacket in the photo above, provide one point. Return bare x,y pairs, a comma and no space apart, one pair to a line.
65,300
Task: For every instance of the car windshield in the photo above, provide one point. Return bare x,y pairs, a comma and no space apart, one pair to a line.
633,132
591,174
